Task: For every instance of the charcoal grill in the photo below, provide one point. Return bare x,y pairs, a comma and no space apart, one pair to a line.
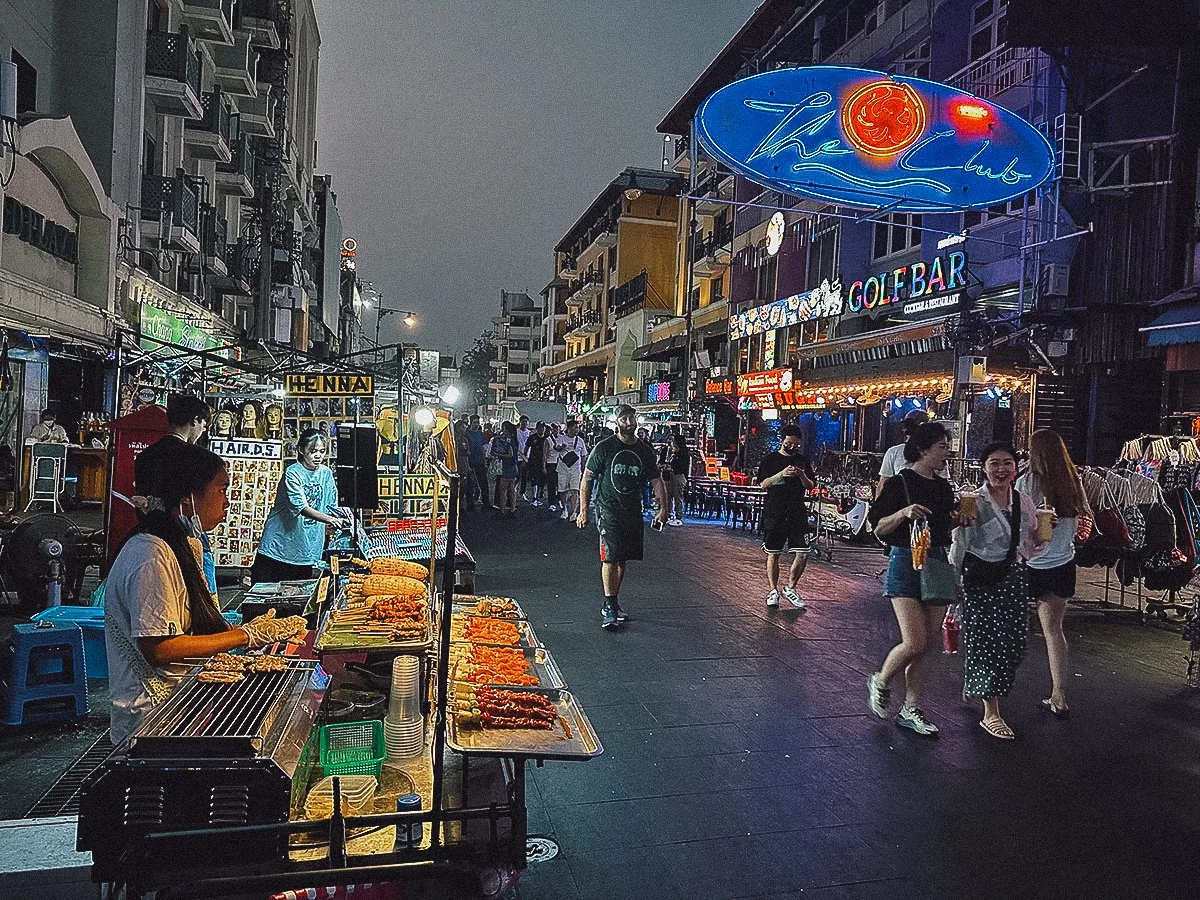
210,755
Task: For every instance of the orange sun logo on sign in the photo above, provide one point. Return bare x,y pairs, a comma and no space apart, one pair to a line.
883,117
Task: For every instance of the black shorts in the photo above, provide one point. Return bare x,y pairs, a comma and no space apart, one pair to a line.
783,534
622,537
1059,581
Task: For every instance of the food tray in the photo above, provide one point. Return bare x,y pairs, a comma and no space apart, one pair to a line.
534,743
343,637
539,663
526,640
465,604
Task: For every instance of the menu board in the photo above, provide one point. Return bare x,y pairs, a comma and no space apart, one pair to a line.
255,468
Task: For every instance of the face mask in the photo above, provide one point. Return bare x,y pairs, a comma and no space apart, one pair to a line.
193,520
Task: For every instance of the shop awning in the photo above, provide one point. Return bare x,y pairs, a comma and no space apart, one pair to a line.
883,337
1180,325
660,350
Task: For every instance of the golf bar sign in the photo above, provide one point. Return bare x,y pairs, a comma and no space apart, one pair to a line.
857,137
310,384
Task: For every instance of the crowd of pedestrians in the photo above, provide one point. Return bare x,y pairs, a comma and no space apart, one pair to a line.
986,548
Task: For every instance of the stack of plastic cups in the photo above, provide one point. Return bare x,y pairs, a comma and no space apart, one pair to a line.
404,727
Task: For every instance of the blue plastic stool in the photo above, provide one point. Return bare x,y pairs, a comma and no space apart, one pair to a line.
47,679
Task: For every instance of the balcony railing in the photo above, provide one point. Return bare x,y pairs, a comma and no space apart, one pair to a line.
217,116
1001,70
586,280
240,266
240,165
630,296
708,244
213,233
173,56
589,320
172,194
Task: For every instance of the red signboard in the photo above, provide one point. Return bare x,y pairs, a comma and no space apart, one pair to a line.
717,386
131,435
764,382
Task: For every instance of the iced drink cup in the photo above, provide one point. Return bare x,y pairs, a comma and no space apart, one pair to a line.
1045,528
968,507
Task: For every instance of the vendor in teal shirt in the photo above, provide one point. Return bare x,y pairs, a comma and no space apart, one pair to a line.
294,535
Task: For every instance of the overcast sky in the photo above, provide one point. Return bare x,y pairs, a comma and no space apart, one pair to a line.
464,138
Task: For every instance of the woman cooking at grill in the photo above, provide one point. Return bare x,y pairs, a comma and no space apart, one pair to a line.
158,610
294,535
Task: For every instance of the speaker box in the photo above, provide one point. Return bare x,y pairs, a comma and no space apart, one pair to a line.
357,468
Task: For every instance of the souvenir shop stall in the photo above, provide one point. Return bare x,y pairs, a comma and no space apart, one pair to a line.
388,744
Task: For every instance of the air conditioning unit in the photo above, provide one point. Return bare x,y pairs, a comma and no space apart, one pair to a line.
1056,280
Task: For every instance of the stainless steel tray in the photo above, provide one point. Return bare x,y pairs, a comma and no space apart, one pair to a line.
534,743
466,605
338,638
527,638
538,662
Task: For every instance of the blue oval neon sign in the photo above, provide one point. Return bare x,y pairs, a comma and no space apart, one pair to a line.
857,137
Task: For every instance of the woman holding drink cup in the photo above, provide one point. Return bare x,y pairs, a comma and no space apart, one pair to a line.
915,503
990,547
1053,482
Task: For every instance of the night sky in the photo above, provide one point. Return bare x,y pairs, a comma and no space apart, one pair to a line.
464,138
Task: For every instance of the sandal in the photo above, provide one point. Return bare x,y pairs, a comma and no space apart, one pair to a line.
1060,712
997,728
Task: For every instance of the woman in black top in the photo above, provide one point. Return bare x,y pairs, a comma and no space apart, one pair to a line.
919,598
535,463
678,460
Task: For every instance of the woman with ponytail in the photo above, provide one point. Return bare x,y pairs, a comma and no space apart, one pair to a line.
159,611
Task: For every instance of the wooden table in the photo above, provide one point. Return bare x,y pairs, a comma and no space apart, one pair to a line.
91,469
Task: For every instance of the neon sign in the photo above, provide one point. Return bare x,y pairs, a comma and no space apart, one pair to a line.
757,383
658,392
822,301
858,137
921,287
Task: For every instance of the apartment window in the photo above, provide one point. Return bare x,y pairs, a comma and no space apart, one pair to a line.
1014,207
764,276
520,322
714,291
896,233
915,63
989,31
149,154
26,84
518,345
518,369
612,259
823,255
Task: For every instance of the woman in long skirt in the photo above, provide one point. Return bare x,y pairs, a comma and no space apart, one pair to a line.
991,550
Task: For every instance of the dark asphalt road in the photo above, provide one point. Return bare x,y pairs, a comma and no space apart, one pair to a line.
740,760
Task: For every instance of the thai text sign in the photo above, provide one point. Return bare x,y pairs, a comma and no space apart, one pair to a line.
824,300
316,384
863,138
918,288
758,383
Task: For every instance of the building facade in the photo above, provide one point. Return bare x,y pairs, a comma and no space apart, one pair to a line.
775,289
616,276
517,336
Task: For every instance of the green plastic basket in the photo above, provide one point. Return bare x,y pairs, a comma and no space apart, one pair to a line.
352,748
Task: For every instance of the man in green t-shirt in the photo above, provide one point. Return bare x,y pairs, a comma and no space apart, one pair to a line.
620,466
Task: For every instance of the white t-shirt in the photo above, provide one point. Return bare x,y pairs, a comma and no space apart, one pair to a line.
522,439
893,461
569,444
551,453
1061,549
146,597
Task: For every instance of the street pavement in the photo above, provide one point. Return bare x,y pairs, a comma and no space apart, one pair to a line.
740,760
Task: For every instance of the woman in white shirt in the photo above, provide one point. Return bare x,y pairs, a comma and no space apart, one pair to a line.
158,610
990,550
1053,481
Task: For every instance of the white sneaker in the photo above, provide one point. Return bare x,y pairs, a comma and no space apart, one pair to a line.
674,522
537,502
773,600
793,598
564,515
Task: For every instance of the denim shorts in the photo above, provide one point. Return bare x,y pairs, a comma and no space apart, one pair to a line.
936,585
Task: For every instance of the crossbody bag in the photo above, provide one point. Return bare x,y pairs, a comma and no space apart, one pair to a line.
982,574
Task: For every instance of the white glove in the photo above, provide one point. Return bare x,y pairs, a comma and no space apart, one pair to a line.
266,629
